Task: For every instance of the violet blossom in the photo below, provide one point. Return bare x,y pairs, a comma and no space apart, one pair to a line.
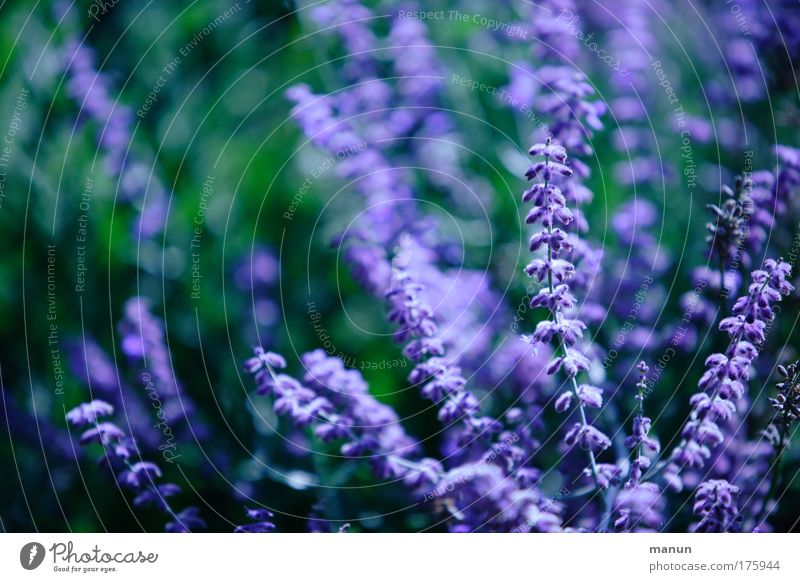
335,403
144,343
555,271
122,457
726,375
715,505
639,504
786,404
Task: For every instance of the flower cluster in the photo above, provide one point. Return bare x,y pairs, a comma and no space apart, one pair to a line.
90,89
485,499
335,402
640,508
640,439
567,100
383,187
726,374
122,457
772,193
787,401
554,271
715,505
524,435
726,235
349,19
786,404
92,365
260,521
255,275
639,277
361,126
439,379
144,343
639,504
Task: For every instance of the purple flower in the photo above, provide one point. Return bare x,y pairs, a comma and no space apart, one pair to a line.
156,496
139,473
186,521
90,90
607,474
260,521
104,433
351,21
715,505
482,498
549,209
89,412
90,363
439,379
144,343
357,126
388,200
727,233
587,436
263,360
255,274
549,23
640,438
639,508
336,403
567,101
415,61
786,404
787,401
726,374
139,476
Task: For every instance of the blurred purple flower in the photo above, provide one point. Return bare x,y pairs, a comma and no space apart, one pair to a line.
715,505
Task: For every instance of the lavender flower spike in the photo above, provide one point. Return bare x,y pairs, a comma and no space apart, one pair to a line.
639,504
550,209
715,504
726,374
140,477
787,412
335,402
440,380
640,439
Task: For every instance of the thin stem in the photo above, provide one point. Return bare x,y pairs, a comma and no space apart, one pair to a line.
582,413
